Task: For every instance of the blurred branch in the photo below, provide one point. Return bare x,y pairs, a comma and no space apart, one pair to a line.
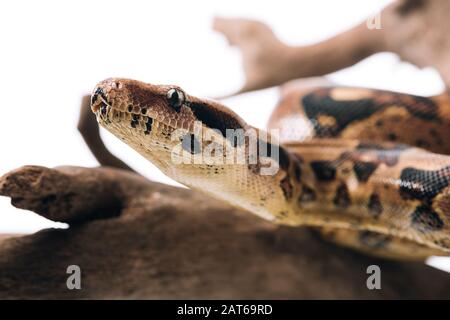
416,30
89,129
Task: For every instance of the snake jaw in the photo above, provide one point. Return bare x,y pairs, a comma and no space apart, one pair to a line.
99,103
101,109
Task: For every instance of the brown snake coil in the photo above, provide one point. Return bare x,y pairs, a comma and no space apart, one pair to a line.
343,163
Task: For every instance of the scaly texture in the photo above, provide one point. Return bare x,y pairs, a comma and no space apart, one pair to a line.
365,187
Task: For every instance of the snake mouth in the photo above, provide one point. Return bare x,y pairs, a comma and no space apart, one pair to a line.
110,116
100,104
105,113
116,118
98,99
103,106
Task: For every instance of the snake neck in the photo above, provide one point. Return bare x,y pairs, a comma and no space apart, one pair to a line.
352,186
389,189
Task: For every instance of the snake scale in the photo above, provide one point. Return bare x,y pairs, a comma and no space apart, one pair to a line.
367,168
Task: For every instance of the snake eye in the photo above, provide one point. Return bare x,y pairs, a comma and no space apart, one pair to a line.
175,98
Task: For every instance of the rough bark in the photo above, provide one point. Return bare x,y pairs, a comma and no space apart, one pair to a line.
148,240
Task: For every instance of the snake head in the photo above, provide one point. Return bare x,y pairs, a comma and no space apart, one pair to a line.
115,96
115,100
197,142
154,118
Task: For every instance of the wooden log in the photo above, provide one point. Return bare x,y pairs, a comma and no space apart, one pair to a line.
148,240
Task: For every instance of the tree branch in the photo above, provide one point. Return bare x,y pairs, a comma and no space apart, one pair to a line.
89,130
175,243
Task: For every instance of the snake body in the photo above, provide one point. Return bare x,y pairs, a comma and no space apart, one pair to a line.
351,162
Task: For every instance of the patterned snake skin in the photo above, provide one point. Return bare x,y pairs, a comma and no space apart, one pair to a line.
350,162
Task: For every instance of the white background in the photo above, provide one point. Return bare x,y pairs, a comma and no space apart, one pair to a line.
53,52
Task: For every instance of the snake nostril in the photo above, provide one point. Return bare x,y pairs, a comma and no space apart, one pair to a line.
98,92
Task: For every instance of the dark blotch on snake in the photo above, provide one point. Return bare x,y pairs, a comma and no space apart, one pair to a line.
425,219
297,171
284,160
287,188
423,184
324,170
320,102
392,136
214,118
342,197
148,126
374,205
364,170
308,195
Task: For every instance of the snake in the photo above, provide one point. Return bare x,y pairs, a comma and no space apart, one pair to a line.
367,169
